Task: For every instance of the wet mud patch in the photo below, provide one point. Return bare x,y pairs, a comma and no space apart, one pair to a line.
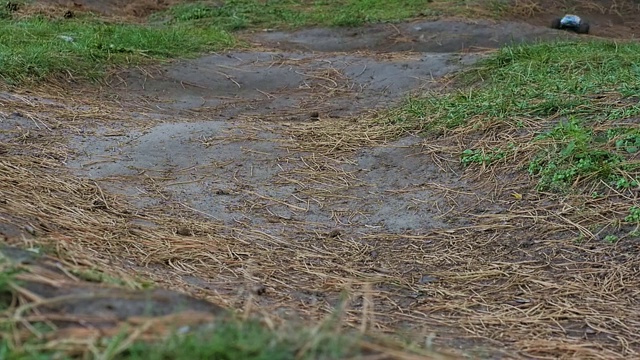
441,36
289,85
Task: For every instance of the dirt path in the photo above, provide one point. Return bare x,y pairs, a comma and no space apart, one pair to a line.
283,181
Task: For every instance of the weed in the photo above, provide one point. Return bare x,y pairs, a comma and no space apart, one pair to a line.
480,156
611,239
634,215
573,155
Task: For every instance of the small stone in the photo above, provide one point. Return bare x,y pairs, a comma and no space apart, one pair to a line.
30,230
425,279
221,192
66,38
373,254
184,231
334,233
259,289
314,115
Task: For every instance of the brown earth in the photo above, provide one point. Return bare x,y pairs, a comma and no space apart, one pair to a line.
262,179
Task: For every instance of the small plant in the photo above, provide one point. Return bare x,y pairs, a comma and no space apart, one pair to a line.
611,239
622,183
576,154
479,156
634,215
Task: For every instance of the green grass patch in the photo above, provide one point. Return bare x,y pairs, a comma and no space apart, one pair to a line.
234,339
242,14
571,87
228,339
36,48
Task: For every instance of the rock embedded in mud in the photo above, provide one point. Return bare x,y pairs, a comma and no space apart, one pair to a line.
426,279
30,229
184,231
259,289
334,233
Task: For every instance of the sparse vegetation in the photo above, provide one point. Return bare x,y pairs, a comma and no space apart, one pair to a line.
576,96
242,14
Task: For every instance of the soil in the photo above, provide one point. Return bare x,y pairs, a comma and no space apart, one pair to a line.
276,146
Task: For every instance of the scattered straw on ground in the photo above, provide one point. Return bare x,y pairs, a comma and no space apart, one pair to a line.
513,280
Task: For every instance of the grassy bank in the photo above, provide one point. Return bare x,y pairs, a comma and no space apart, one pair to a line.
569,109
289,14
225,339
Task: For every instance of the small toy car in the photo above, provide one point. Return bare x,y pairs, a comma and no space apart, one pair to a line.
571,22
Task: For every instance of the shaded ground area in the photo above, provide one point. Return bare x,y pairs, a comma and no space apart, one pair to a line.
263,178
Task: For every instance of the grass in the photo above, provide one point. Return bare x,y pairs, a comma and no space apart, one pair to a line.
235,339
577,100
37,48
243,14
229,338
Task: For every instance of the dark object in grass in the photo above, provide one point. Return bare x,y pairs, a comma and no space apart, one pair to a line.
69,14
11,7
571,22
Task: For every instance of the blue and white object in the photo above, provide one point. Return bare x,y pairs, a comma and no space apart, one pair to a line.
572,21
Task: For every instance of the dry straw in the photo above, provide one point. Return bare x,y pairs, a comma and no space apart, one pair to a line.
523,276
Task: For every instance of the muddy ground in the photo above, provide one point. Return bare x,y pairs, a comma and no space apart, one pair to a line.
305,194
242,149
